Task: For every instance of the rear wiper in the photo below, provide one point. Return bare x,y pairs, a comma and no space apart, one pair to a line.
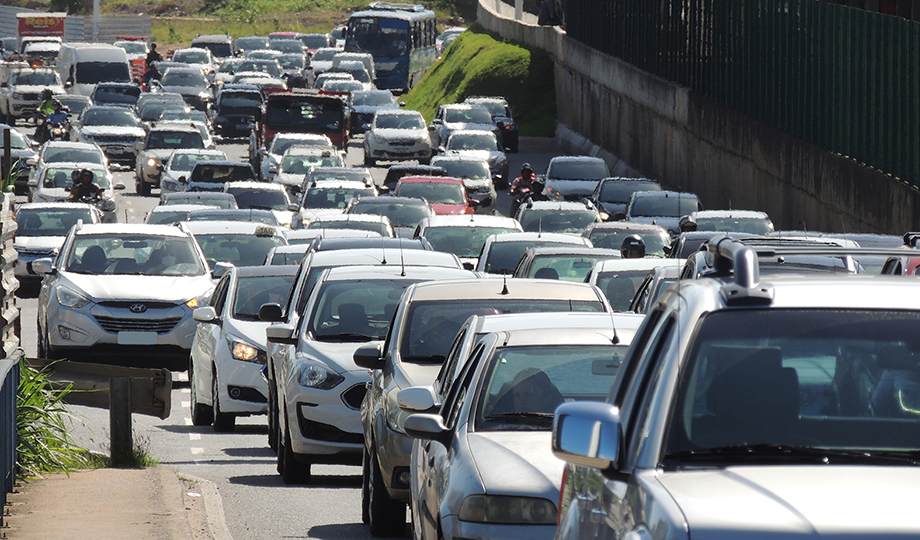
526,417
785,453
345,336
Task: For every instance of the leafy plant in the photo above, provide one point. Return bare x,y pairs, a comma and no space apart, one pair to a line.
44,443
8,182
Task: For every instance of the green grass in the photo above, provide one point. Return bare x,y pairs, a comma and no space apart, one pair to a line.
477,63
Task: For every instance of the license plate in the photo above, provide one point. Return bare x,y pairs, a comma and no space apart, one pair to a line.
137,338
116,149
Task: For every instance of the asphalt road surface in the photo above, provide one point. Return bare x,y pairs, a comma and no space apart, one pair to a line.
257,504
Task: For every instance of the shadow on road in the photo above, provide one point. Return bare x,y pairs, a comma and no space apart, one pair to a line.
340,531
324,481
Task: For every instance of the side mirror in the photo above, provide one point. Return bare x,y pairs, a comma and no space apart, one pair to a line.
220,269
42,266
271,313
619,216
139,146
31,162
119,186
33,183
68,84
383,189
281,333
368,357
418,399
182,180
588,434
402,103
293,207
427,427
485,202
206,315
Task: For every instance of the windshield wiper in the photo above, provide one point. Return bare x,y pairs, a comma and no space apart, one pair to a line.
345,336
538,418
790,453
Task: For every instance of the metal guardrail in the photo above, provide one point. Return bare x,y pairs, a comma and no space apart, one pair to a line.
10,352
839,77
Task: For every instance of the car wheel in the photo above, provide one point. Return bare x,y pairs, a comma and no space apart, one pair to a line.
365,487
369,161
292,471
42,347
223,422
202,415
144,188
272,417
386,516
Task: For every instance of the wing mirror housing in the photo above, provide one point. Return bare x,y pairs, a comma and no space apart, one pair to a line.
588,434
368,357
427,427
418,399
271,313
206,314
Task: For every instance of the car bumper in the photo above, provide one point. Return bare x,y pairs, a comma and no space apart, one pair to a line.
397,152
453,528
394,452
119,152
23,109
242,389
327,422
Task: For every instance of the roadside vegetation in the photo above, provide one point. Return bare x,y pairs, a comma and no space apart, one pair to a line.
478,63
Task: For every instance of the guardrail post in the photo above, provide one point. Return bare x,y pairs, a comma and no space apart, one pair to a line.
120,420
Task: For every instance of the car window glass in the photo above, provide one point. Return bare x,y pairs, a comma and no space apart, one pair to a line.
448,371
254,291
454,402
220,294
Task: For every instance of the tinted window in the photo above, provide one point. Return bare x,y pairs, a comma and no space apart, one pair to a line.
503,257
461,241
577,170
355,310
620,192
97,72
401,215
655,241
557,221
49,222
674,206
236,249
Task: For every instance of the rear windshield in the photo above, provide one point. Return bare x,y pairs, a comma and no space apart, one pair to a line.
49,222
221,174
468,116
620,192
503,257
97,72
577,170
236,249
655,241
674,206
123,94
401,215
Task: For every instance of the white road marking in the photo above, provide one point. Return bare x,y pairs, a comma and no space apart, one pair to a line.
188,421
198,450
194,436
185,390
186,403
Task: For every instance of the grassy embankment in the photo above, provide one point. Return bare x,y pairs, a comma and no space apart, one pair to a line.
477,63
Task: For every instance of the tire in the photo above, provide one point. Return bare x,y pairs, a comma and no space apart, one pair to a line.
365,487
272,417
386,517
369,161
42,347
144,188
293,472
223,422
202,415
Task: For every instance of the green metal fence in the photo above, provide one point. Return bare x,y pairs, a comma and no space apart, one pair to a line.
843,78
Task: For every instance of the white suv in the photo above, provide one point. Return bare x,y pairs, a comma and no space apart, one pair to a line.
397,135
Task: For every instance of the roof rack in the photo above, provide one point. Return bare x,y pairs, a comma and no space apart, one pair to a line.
731,256
396,6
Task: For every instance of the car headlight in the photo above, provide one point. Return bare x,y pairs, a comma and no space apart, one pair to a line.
395,416
604,215
379,140
17,95
196,302
151,162
70,299
316,375
204,96
498,161
241,350
505,509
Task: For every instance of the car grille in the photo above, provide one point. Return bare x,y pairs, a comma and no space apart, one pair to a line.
115,324
354,396
123,139
402,142
30,97
128,304
35,252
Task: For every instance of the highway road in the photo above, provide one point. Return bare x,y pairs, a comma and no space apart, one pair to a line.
257,504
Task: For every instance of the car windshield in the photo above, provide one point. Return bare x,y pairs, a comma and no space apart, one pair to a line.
291,62
221,174
239,100
461,241
34,78
152,110
399,121
565,267
557,221
58,177
191,57
655,241
300,164
133,47
17,140
473,141
167,217
503,257
354,175
620,287
730,224
430,326
261,66
342,86
185,162
252,43
220,200
174,139
495,108
355,310
619,192
74,155
175,77
75,103
524,385
109,117
378,227
333,197
265,199
401,215
324,55
97,72
236,249
843,382
433,192
324,116
373,99
582,169
286,45
253,291
467,116
468,170
50,221
315,41
182,114
230,66
667,206
133,254
220,50
126,95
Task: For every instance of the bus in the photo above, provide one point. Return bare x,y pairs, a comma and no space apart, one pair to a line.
401,38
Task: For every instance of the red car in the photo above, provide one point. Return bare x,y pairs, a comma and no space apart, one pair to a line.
445,194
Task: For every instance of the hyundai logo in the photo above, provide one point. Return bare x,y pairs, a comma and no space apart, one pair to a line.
138,308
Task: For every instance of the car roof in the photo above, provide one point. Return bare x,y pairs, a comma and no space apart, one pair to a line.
471,220
397,112
559,205
323,151
212,211
70,144
545,236
370,218
462,106
663,194
222,163
174,127
198,151
199,195
430,180
595,329
485,99
130,228
182,208
484,324
385,199
393,256
738,214
52,206
491,288
645,263
250,184
471,132
230,227
570,159
267,270
574,250
625,226
353,272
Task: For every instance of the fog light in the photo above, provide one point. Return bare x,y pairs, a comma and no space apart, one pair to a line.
404,478
234,392
64,332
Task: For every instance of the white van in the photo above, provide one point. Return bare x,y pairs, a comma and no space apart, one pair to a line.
365,58
82,65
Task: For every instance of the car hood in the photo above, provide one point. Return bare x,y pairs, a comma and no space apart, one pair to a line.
288,179
284,217
517,463
338,356
38,242
36,89
397,134
52,194
573,187
827,500
612,208
444,209
458,126
669,223
187,90
142,287
112,130
159,153
371,109
487,155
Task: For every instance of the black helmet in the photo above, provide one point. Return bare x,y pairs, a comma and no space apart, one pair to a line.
526,167
633,247
85,172
57,105
46,93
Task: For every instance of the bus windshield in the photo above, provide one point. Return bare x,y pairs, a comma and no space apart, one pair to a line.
379,36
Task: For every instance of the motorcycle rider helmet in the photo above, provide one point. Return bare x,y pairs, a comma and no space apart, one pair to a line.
46,94
57,105
633,247
86,174
526,168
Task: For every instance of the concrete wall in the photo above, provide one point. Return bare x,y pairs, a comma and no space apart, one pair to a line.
690,143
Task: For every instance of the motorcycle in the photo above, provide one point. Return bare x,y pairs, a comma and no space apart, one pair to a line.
536,192
101,203
46,130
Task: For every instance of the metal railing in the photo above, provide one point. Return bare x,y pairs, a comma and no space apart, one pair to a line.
10,352
840,77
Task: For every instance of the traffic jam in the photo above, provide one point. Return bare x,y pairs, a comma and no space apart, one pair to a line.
504,352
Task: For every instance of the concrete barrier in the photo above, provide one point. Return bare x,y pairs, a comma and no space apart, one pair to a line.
609,108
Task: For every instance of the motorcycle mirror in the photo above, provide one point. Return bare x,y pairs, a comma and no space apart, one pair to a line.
119,186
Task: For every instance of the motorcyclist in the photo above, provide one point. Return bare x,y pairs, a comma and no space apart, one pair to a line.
58,115
45,108
633,247
522,184
86,189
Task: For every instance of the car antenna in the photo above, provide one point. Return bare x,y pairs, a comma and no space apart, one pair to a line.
383,249
615,339
505,284
402,258
540,227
